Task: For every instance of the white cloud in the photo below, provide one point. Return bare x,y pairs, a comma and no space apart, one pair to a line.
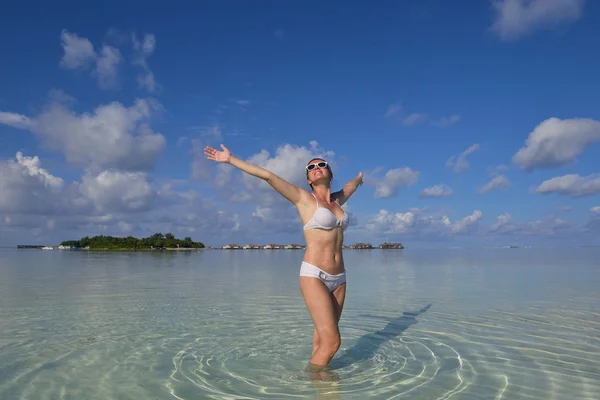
556,142
113,136
497,182
465,224
79,53
386,222
118,192
392,180
416,223
502,221
395,112
548,227
143,50
436,191
32,166
36,205
572,185
26,187
460,163
413,118
107,64
33,201
15,120
516,18
446,121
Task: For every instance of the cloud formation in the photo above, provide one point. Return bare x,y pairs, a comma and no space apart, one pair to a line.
143,50
460,163
388,185
119,192
416,223
34,200
436,191
79,53
395,112
516,18
446,121
572,185
26,187
497,182
112,136
547,227
556,142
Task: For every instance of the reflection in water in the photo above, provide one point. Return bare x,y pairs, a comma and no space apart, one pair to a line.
367,346
327,381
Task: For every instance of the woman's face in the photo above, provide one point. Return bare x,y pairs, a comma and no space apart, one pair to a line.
316,169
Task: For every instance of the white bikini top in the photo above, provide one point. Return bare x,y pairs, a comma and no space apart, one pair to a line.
324,218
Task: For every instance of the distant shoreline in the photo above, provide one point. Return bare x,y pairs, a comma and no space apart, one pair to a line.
148,247
191,249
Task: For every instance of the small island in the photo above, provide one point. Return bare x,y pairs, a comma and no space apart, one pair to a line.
158,241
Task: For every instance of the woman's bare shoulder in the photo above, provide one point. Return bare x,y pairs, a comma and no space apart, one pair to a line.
306,198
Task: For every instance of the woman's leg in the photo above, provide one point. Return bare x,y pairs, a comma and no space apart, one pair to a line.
337,296
324,311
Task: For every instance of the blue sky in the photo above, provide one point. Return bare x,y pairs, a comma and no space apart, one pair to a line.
473,126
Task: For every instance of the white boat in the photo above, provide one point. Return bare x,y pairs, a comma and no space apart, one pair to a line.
47,248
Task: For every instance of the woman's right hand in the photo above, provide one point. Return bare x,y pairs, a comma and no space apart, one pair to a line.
216,155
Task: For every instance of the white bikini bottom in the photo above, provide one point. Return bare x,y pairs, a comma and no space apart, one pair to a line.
331,281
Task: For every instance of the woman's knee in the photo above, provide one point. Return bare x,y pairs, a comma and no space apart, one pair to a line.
331,341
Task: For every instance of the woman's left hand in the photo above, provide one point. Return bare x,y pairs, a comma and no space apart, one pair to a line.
359,179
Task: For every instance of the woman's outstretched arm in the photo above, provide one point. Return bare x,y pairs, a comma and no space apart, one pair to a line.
343,195
286,189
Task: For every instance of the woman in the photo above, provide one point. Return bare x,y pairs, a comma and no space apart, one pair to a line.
322,273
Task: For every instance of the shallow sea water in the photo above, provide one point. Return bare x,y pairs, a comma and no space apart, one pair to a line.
417,324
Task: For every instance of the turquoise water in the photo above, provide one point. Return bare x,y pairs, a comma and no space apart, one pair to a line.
417,324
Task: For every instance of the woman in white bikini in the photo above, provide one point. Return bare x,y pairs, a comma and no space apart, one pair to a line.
322,273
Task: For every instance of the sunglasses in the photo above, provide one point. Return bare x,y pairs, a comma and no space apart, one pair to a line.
321,164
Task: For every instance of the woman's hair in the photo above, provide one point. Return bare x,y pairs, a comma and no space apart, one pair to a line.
328,167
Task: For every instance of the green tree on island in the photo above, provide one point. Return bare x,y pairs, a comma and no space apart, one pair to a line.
156,241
